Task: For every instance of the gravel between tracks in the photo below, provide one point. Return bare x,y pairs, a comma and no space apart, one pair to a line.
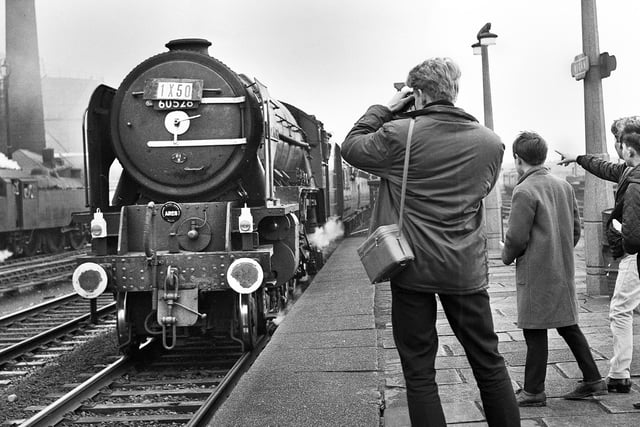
32,389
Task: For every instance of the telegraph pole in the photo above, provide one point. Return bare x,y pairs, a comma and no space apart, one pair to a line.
591,66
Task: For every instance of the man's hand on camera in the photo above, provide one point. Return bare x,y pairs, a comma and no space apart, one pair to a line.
401,101
566,158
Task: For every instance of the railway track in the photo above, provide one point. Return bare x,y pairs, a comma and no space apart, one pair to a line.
32,337
25,273
180,387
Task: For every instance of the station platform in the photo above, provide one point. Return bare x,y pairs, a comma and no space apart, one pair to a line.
333,362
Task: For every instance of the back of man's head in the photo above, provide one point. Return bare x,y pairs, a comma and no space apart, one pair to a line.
630,134
530,147
438,77
618,125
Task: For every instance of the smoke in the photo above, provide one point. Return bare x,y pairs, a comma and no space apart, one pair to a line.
279,318
325,235
6,163
297,291
4,254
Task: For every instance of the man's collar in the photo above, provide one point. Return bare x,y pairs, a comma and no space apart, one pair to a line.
533,169
440,102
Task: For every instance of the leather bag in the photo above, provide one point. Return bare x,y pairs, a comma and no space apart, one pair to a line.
386,251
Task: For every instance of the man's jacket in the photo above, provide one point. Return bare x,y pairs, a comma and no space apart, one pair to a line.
455,162
627,200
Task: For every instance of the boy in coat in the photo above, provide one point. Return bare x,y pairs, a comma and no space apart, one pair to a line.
544,227
454,164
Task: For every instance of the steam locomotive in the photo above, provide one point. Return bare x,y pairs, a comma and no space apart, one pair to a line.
38,194
222,186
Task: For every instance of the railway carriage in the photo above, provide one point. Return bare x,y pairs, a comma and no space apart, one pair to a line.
207,231
37,199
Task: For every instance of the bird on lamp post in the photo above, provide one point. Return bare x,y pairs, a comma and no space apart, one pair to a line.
485,38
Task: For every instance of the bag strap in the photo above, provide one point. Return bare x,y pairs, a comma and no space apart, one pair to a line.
405,173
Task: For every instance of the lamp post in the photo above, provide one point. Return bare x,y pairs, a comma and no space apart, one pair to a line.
493,220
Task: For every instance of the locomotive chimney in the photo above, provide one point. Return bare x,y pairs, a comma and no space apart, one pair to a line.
195,45
24,83
47,158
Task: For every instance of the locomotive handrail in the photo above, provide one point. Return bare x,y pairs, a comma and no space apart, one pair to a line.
85,157
223,100
148,230
197,142
292,141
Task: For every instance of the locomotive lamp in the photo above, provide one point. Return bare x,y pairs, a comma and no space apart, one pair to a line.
98,225
245,221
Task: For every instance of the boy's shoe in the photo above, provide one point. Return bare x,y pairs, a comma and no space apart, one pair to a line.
587,389
619,385
531,399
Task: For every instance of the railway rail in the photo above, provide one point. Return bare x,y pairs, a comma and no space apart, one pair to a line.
181,387
31,337
22,274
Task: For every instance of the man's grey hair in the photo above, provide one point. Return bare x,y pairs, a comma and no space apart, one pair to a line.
618,125
437,77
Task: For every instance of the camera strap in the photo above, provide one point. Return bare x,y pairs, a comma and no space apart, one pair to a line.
405,173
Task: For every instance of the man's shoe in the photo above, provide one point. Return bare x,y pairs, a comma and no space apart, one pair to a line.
587,389
531,399
619,385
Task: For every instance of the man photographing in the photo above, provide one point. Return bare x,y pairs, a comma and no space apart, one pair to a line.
454,164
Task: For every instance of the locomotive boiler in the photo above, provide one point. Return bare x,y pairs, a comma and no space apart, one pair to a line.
207,230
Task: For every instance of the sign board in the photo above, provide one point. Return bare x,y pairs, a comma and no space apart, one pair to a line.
580,66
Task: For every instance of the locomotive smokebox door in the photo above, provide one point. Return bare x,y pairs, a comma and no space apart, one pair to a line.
183,124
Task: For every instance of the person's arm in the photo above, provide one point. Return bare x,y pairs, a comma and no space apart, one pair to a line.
523,210
367,143
366,146
566,158
603,169
631,219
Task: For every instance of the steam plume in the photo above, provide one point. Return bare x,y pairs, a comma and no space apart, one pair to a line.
6,163
4,254
325,235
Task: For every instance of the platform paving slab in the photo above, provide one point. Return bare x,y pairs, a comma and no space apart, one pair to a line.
321,367
333,360
457,386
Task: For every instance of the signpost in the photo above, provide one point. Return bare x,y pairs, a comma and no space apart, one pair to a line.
580,66
598,193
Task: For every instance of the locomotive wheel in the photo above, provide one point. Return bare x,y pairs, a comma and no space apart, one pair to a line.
54,241
76,239
34,244
248,320
261,301
128,342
